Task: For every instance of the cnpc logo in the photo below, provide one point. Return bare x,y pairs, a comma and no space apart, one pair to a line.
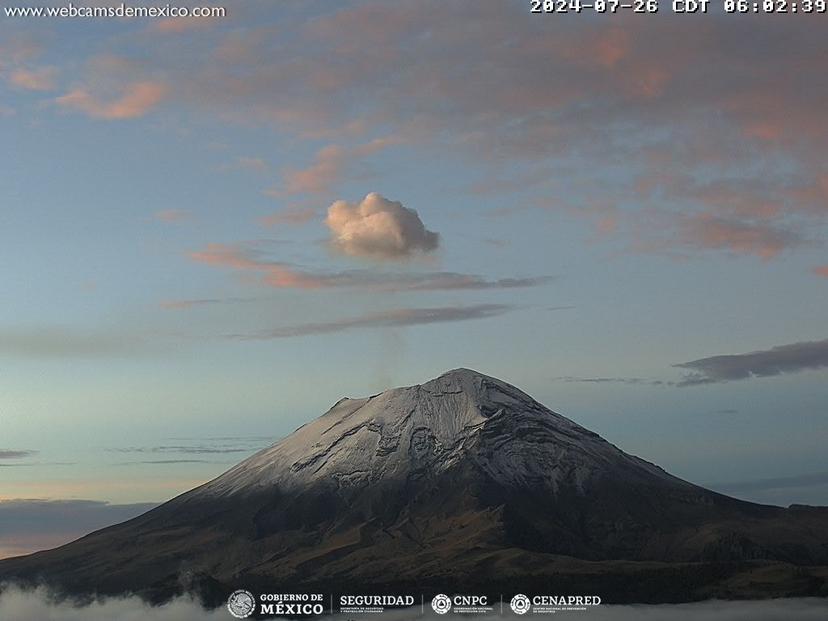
442,603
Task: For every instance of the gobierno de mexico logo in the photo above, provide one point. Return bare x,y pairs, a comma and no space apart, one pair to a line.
241,604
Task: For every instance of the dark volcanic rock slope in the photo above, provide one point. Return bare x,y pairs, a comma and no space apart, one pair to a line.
463,481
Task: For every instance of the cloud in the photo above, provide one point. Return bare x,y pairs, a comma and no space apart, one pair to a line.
652,98
385,319
635,381
378,228
16,454
709,231
39,79
331,164
761,485
187,304
135,100
715,105
764,363
171,215
193,449
821,270
21,605
167,462
17,48
286,276
28,525
291,216
177,25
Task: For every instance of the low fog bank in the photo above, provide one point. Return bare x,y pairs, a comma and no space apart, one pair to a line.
37,605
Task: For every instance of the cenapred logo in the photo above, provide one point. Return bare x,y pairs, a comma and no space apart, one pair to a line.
241,604
441,604
520,604
552,604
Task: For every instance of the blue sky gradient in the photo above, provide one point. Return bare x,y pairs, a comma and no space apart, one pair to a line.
669,195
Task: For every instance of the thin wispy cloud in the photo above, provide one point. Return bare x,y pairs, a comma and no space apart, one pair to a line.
191,303
114,88
171,215
167,462
764,240
179,25
35,79
189,449
633,381
779,360
386,319
290,216
16,454
133,101
331,165
281,275
34,464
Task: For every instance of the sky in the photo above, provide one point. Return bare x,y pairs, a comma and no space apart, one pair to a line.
214,229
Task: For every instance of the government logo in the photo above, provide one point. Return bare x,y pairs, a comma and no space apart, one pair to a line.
520,604
441,604
241,604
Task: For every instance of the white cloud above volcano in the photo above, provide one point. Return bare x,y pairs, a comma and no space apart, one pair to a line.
379,228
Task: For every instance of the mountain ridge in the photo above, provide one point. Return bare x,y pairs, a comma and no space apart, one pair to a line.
464,482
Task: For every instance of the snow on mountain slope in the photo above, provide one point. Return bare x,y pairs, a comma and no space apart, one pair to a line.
460,416
463,483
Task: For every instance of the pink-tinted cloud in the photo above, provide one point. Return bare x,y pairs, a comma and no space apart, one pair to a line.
273,274
171,215
177,25
709,231
379,228
39,79
331,164
291,216
714,101
397,318
17,49
821,270
135,100
280,275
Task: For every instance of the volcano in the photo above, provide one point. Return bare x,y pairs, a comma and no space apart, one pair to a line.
460,484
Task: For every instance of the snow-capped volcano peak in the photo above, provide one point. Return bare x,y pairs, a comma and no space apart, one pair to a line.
461,417
458,481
